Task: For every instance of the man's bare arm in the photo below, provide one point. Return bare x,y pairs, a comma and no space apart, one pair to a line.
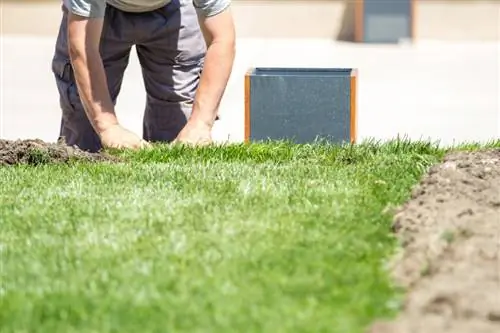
219,34
83,42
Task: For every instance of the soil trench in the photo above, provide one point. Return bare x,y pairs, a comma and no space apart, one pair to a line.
450,259
35,152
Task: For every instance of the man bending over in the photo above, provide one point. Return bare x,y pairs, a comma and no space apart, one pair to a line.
92,52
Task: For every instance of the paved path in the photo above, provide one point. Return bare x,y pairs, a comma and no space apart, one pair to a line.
443,91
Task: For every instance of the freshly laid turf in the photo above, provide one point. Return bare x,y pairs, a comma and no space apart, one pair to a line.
261,238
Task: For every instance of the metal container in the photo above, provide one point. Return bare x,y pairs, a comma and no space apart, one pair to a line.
385,22
301,105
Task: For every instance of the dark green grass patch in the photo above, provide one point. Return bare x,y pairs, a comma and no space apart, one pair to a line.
258,238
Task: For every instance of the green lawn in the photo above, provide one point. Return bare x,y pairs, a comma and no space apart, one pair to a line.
260,238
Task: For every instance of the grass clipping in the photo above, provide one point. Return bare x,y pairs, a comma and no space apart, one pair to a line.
36,152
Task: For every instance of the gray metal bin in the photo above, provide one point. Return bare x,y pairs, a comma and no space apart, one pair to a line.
301,105
384,21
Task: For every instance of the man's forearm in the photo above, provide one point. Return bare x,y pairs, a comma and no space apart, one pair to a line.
216,71
92,85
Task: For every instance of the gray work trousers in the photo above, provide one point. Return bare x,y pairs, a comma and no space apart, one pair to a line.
171,50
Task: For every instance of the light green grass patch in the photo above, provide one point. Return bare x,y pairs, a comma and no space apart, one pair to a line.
259,238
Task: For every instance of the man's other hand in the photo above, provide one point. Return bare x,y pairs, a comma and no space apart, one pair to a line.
118,137
195,134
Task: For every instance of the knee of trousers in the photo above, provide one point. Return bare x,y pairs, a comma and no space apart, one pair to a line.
171,91
164,120
76,129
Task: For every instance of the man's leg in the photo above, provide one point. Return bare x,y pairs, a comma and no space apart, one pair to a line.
171,57
76,129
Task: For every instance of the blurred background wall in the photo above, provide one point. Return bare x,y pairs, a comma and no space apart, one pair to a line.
457,20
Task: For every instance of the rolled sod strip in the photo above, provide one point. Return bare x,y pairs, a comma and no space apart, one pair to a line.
301,105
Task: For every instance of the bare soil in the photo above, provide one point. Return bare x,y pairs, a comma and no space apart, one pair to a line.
449,261
35,152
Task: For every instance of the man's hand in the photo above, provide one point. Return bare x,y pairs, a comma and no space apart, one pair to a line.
118,137
195,134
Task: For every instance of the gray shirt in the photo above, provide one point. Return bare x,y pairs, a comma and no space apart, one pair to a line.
95,8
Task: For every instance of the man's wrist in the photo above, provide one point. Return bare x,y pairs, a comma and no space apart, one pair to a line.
202,117
200,123
105,122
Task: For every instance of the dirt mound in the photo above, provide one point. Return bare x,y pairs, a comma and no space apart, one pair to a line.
450,259
36,152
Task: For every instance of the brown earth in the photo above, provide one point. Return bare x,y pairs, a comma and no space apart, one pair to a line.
36,152
450,259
